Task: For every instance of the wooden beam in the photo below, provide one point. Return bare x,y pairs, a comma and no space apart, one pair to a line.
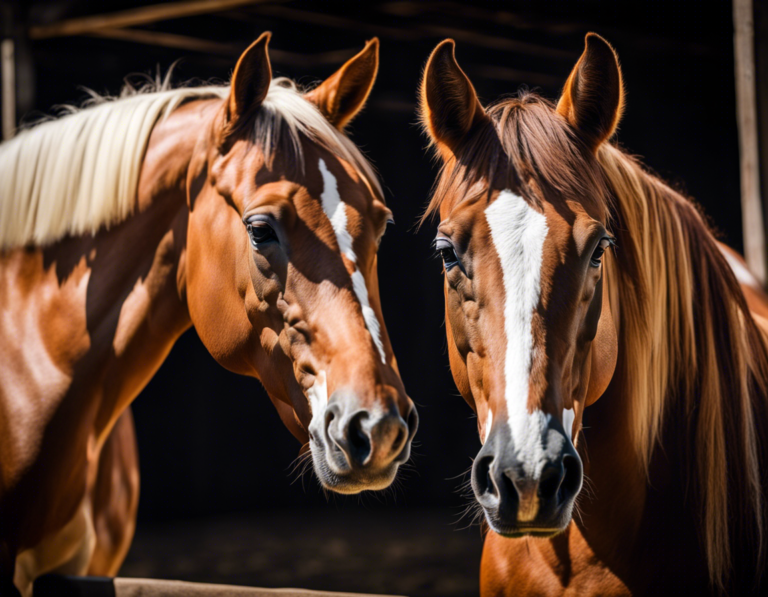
135,16
8,94
166,40
194,44
500,43
746,110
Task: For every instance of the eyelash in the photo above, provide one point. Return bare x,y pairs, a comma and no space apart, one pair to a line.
599,251
445,251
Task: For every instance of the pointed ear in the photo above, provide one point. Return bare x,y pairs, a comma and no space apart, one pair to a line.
448,102
593,96
251,79
342,95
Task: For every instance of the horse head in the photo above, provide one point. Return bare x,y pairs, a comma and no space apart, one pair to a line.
524,232
286,216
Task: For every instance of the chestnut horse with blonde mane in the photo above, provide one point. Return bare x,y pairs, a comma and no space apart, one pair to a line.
596,328
243,211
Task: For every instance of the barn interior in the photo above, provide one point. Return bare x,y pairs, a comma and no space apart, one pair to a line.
221,499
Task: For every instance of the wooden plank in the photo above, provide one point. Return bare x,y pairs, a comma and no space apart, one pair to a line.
194,44
143,587
167,40
135,16
8,94
746,110
54,585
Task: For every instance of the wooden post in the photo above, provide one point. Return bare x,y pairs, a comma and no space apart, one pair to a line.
746,110
8,94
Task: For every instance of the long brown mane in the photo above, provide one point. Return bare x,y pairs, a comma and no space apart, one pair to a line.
690,350
691,355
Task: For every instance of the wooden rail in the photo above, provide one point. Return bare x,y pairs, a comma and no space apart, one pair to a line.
135,16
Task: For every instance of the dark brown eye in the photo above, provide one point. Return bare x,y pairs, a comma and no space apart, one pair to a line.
261,234
444,248
597,256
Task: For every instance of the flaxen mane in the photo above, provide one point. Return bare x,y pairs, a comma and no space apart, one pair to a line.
690,351
79,173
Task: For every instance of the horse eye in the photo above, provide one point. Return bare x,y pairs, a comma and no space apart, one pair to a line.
597,256
447,254
261,234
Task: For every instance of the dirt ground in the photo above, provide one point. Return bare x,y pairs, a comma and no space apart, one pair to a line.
414,553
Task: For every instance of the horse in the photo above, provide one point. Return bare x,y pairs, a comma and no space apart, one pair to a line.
242,210
594,324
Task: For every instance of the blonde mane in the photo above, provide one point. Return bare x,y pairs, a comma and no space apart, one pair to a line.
80,172
690,350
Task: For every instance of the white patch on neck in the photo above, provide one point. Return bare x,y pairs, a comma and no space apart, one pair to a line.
488,425
318,396
518,232
568,418
336,211
743,275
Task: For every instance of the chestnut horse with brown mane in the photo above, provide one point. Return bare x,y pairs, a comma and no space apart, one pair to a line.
244,211
597,330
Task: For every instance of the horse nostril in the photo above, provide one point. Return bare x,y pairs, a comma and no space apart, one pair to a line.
359,441
550,482
483,474
571,483
413,422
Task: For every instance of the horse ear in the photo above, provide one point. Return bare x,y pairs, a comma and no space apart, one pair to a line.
593,96
251,79
342,95
448,102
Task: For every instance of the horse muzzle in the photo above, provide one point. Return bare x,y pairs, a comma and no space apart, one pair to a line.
528,490
356,449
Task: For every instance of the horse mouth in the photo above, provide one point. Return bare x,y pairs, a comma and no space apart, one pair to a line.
518,533
514,529
335,474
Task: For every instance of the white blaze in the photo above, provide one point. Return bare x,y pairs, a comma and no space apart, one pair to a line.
336,211
518,232
488,425
568,418
318,395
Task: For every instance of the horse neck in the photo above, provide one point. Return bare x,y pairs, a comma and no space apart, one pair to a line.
690,380
151,288
131,307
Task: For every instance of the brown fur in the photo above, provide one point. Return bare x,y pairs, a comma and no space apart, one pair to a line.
674,448
87,320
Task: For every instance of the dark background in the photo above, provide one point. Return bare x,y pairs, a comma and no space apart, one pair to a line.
215,459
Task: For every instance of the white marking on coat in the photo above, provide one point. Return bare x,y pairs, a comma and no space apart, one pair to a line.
518,232
488,425
336,211
568,418
318,397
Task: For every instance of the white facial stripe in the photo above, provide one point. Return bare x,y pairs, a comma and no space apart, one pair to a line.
318,396
743,275
568,418
488,425
336,211
518,232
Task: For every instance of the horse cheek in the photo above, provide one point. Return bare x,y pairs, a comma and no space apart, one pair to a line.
604,354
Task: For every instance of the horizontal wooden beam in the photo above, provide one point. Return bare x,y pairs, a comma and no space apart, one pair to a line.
135,16
194,44
166,40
